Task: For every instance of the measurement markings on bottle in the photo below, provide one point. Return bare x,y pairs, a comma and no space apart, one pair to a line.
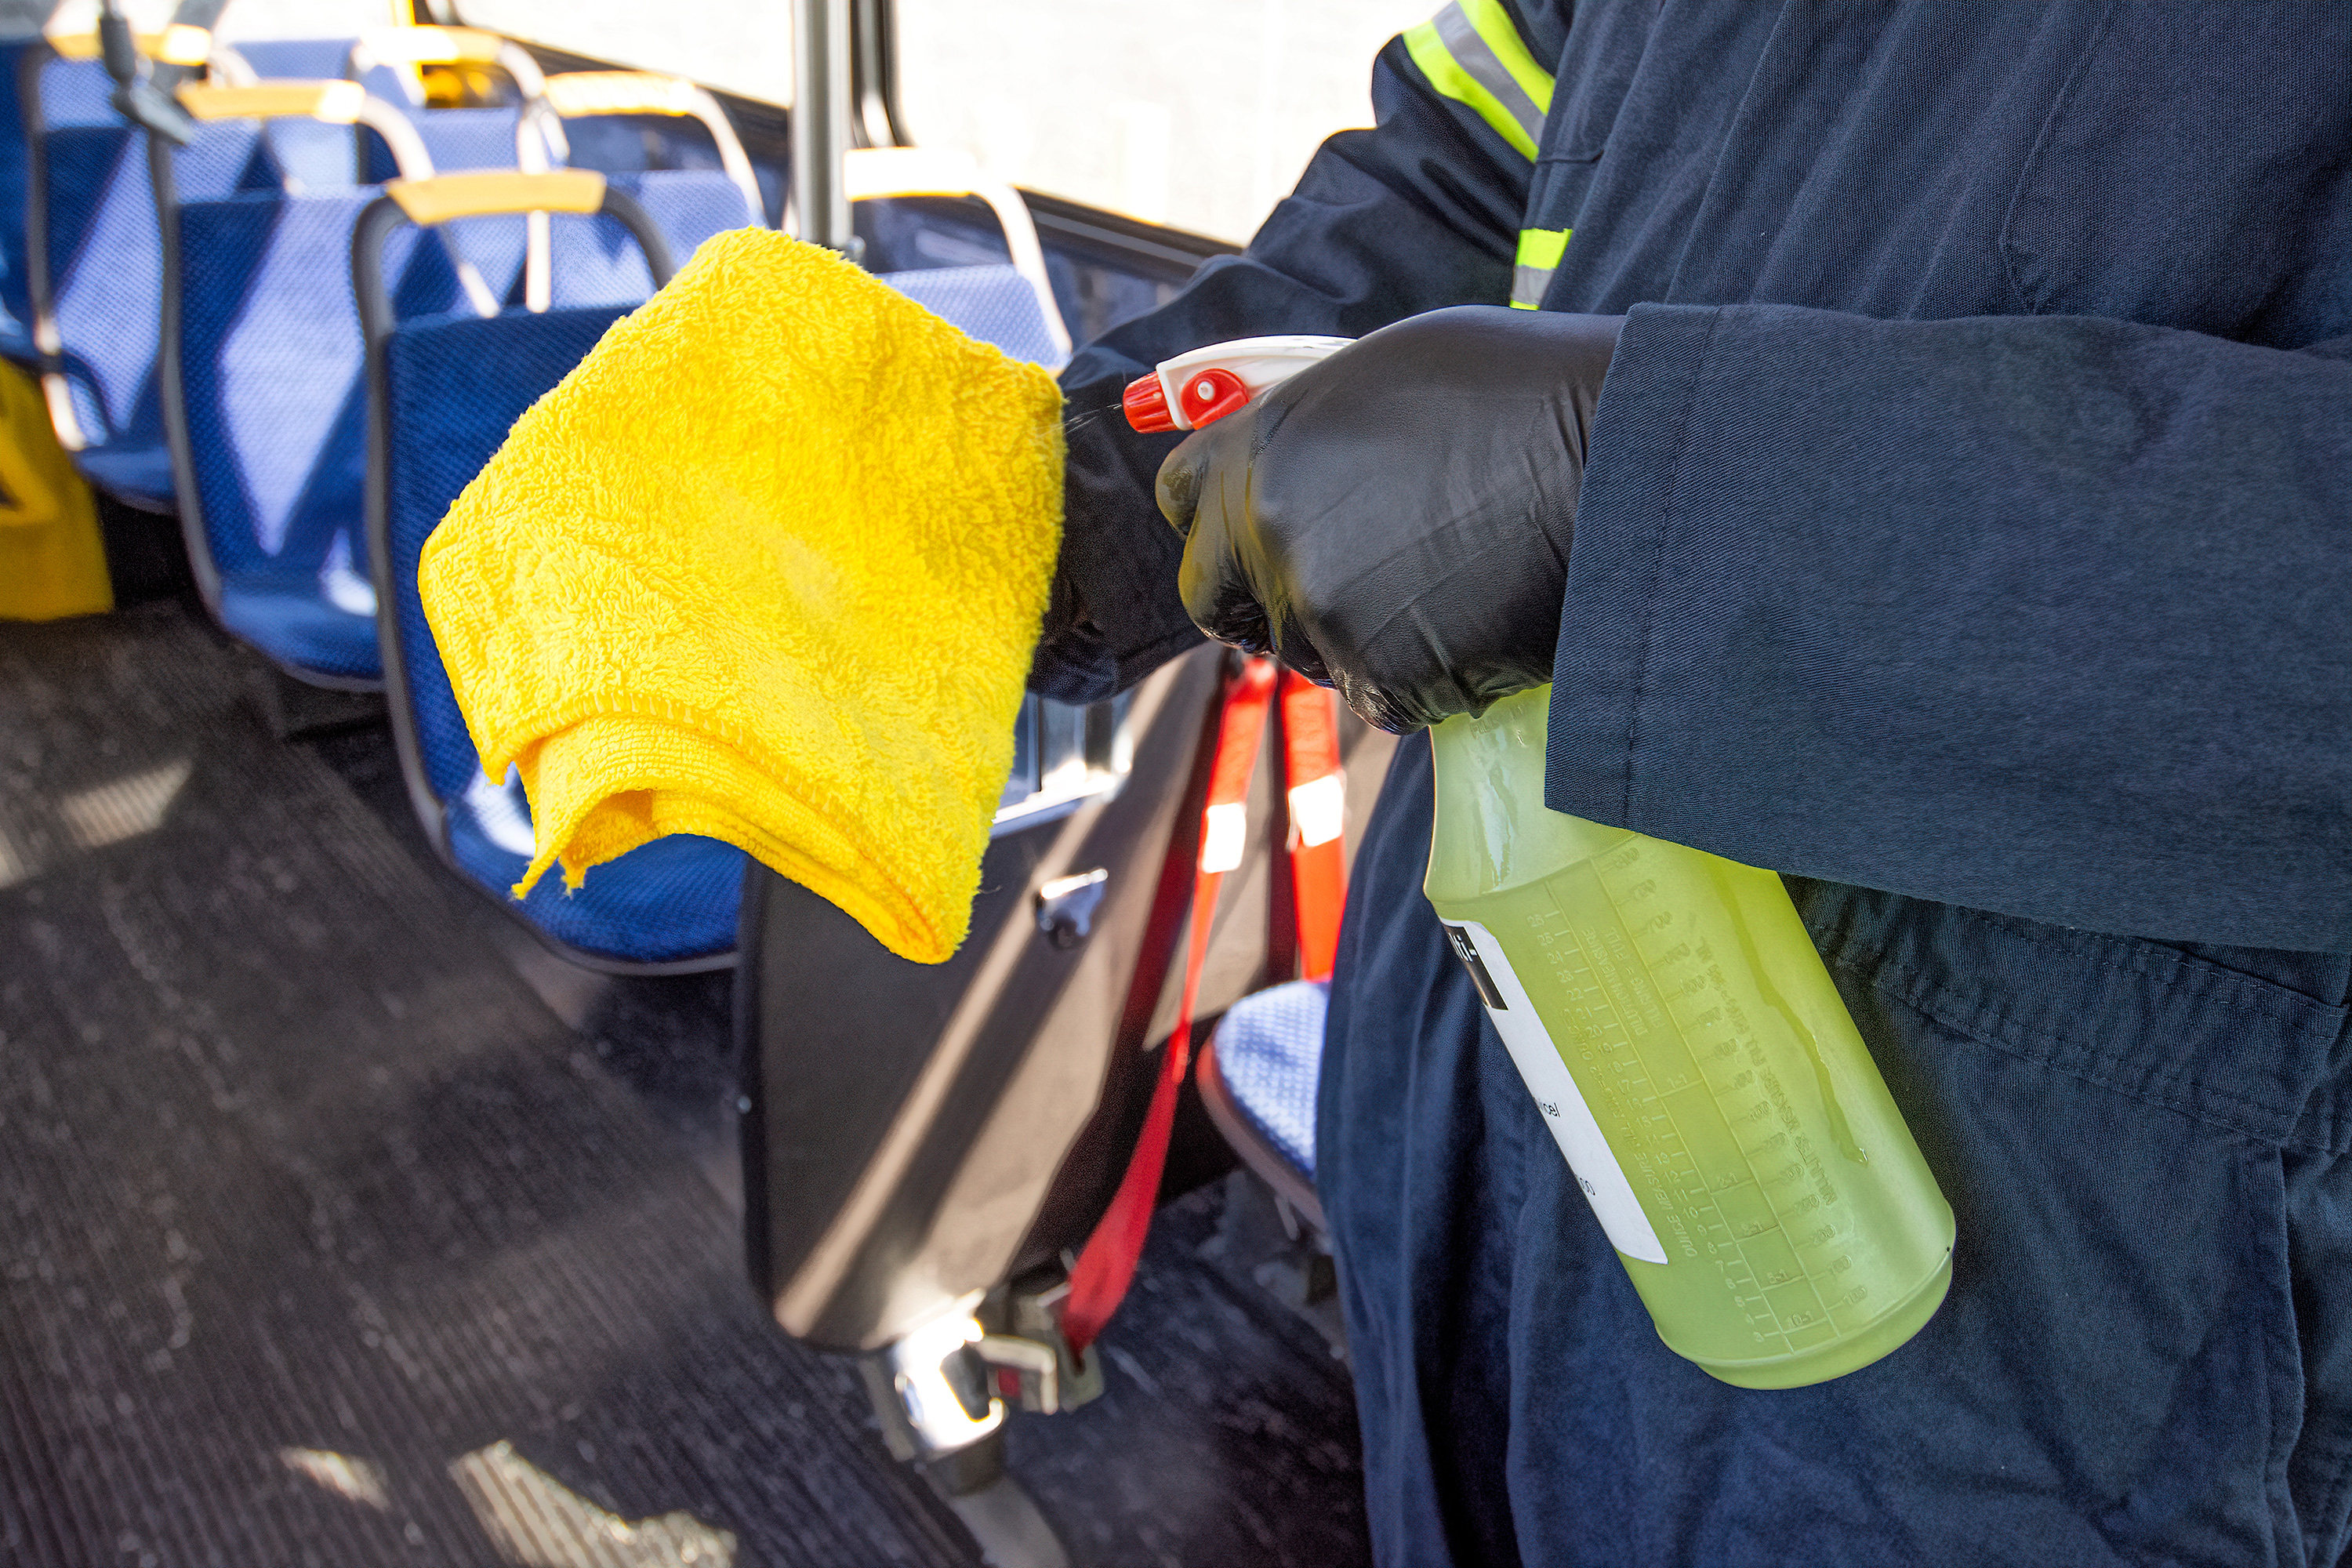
1750,1216
1616,989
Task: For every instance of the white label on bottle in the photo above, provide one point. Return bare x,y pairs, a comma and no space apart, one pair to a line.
1589,1158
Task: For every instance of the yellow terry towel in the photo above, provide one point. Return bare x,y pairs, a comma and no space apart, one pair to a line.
768,567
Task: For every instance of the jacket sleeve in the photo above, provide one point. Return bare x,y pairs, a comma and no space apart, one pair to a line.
1421,211
2046,616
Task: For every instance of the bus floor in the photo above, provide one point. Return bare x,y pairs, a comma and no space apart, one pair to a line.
340,1225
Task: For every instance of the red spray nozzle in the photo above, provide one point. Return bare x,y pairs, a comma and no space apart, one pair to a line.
1147,405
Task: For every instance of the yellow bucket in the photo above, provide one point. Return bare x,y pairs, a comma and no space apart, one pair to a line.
52,562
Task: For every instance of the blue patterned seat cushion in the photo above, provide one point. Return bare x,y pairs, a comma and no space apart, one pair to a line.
105,257
273,376
673,899
454,386
992,303
134,472
1270,1052
296,625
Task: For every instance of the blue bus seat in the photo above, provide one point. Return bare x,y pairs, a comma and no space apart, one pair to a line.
270,372
95,266
311,156
1258,1080
444,391
643,123
994,304
1009,303
16,300
263,385
689,205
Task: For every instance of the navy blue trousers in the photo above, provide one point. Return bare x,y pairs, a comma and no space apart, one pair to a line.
2146,1355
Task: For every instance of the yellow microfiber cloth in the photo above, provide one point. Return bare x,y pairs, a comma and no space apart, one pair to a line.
768,567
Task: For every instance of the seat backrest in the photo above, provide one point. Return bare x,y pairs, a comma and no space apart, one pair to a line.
271,369
689,205
872,172
97,277
298,60
629,122
457,138
443,392
15,302
995,304
310,154
449,390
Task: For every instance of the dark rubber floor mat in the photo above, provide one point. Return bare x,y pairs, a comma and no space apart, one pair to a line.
325,1241
1226,1430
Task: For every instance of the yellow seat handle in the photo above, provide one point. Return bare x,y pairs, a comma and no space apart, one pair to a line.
177,44
482,192
334,102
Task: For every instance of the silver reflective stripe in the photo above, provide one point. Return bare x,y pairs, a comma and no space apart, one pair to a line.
1527,285
1475,55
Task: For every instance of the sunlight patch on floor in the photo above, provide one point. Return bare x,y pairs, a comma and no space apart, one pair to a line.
362,1480
537,1521
124,808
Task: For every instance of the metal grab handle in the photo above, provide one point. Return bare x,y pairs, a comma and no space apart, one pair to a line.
538,130
876,172
482,193
336,102
429,46
177,44
578,95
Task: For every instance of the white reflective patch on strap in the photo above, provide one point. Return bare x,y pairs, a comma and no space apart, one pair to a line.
1319,808
1225,833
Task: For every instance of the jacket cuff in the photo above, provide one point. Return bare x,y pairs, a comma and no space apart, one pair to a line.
1617,566
1114,615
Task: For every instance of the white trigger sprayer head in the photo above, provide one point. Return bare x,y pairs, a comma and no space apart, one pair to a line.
1205,386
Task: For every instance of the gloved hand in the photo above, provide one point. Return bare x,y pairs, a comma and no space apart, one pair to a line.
1395,521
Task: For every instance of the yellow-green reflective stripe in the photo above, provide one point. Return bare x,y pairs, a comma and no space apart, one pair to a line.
1538,257
1494,27
1470,53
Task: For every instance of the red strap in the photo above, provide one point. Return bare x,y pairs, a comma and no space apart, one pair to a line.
1318,799
1099,1279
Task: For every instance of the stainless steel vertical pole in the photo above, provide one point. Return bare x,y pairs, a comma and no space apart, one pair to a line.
820,128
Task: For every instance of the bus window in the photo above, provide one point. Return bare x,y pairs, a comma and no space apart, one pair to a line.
735,48
240,18
305,18
1200,118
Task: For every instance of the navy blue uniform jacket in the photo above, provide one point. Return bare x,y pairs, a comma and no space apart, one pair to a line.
1968,535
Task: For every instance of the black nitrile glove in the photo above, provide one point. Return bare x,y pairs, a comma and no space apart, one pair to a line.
1395,521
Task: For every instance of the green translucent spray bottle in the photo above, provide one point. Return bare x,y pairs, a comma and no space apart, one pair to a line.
1698,1069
